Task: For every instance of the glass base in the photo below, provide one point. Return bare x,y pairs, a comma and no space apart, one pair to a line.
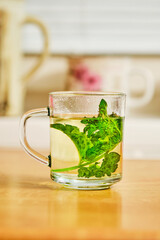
73,182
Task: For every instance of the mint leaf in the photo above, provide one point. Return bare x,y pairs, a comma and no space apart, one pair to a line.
110,163
105,133
102,109
108,166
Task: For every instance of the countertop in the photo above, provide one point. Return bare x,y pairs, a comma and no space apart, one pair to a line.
34,207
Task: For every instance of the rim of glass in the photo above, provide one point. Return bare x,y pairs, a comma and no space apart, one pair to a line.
87,93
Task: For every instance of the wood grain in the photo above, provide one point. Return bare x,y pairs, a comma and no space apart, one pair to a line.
34,207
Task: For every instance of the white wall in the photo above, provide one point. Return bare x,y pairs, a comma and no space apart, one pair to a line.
95,26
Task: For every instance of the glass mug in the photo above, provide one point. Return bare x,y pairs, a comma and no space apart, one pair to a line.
86,136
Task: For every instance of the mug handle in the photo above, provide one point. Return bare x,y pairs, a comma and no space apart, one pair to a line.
150,87
44,53
23,138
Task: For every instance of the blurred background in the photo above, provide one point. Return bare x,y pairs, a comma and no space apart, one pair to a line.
48,45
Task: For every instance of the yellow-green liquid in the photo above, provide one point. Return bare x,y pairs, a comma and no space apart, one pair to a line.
64,153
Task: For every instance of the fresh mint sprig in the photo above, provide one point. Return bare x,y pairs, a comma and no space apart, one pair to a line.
100,136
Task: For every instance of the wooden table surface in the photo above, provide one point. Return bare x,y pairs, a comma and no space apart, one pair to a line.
34,207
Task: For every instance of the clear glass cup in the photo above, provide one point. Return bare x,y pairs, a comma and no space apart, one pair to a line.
86,138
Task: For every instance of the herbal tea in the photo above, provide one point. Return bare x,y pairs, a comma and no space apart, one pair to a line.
86,134
87,147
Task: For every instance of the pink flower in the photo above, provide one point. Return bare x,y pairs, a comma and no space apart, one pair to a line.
92,82
80,71
51,101
89,80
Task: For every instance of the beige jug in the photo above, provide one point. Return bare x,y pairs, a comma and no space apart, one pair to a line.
12,83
